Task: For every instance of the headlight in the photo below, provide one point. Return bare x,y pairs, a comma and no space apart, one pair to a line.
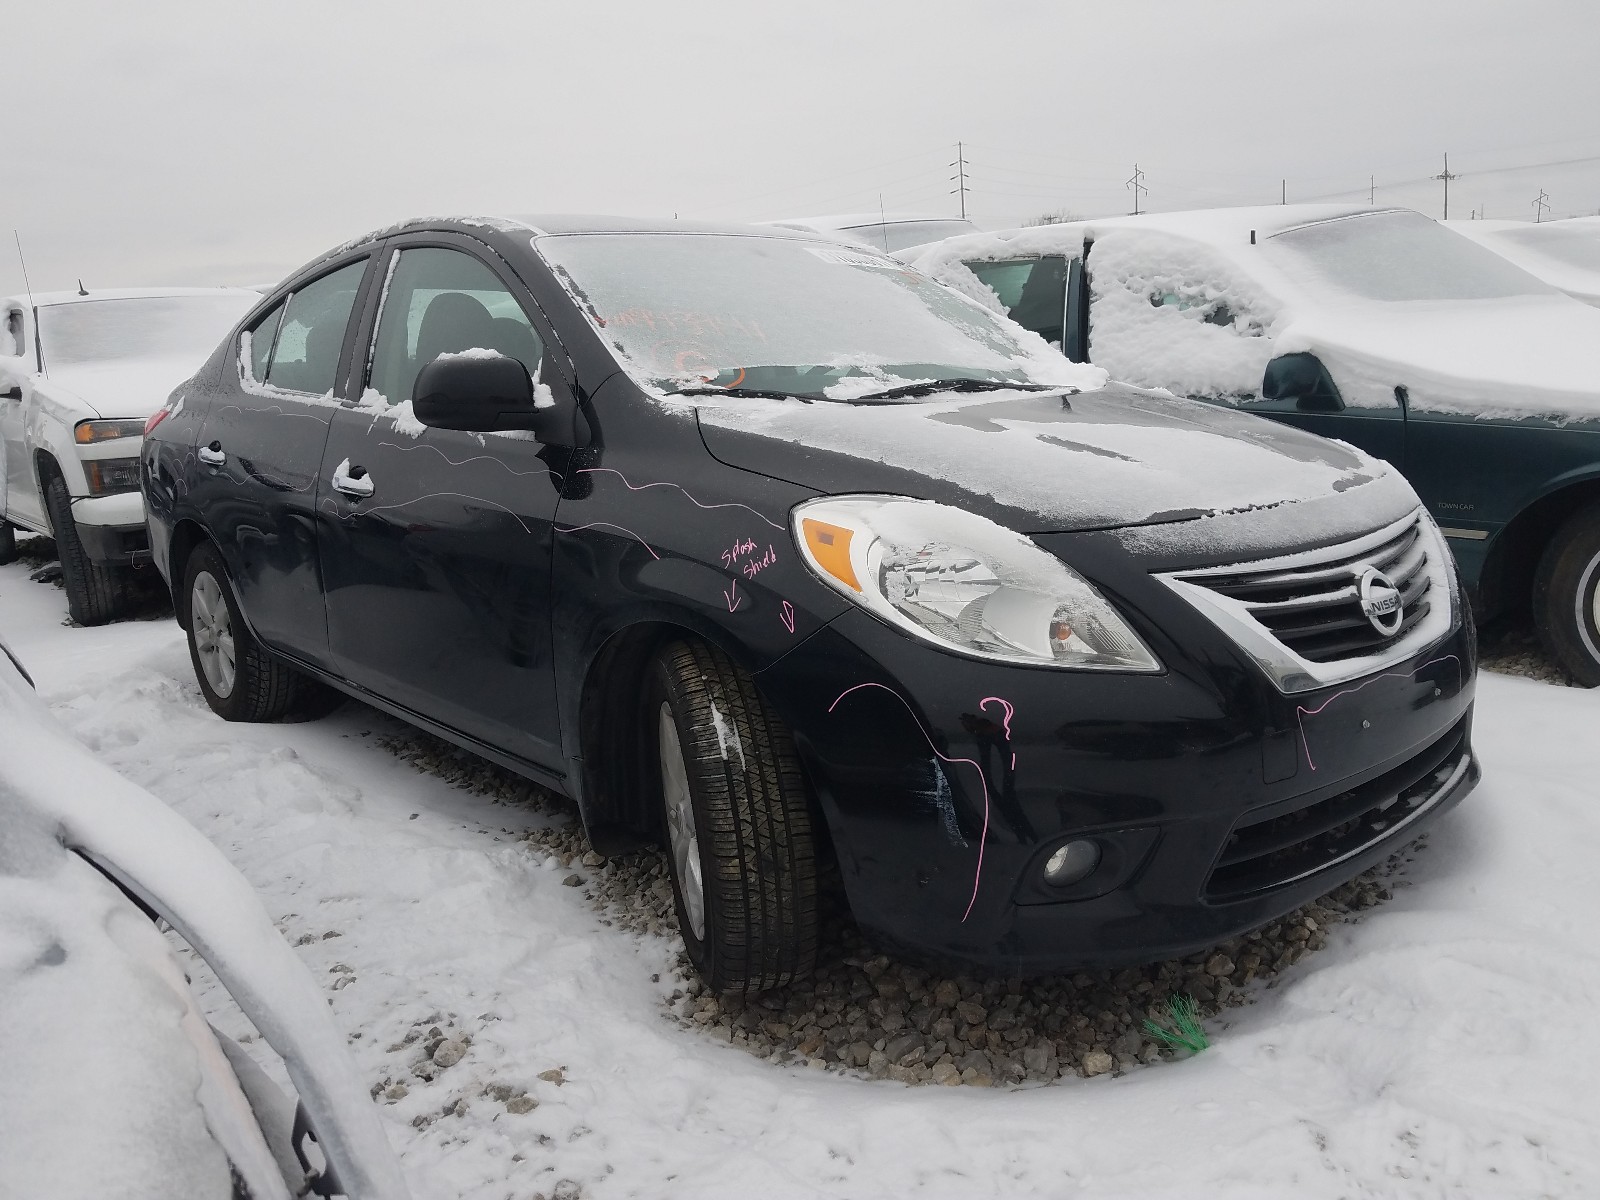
964,583
87,432
112,475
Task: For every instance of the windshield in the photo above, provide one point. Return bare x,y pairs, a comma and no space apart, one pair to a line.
778,315
1575,247
1397,256
146,327
902,235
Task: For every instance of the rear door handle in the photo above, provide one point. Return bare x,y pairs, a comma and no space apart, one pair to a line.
212,455
352,481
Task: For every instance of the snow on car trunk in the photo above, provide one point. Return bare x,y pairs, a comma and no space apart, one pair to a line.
1441,1045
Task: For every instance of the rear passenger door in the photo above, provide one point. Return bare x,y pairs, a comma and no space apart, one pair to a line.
259,449
435,543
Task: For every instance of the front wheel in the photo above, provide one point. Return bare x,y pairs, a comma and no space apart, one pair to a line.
1566,596
739,835
94,589
238,679
8,543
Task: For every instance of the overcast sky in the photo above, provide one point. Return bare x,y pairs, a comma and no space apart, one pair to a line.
207,141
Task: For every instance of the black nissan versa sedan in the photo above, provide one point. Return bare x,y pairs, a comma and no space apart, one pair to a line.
778,551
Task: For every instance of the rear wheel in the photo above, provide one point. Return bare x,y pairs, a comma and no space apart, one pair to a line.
739,835
94,589
238,679
1566,596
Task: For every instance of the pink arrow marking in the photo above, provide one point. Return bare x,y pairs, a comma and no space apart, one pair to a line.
787,616
731,595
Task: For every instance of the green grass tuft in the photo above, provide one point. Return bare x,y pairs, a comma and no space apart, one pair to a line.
1184,1032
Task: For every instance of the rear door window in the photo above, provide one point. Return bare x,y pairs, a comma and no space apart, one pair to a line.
304,355
442,301
1033,291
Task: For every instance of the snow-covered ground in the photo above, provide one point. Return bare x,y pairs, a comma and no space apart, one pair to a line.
1443,1045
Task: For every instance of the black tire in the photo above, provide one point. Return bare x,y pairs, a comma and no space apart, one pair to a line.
1565,594
756,848
261,688
94,589
8,543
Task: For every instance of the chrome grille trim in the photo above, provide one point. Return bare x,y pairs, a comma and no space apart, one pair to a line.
1299,616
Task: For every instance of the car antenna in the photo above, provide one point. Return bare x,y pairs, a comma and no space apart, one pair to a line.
29,286
82,291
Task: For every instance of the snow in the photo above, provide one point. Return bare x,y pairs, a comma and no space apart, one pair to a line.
727,735
1441,1046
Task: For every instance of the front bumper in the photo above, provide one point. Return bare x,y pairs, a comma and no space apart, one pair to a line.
1219,804
112,528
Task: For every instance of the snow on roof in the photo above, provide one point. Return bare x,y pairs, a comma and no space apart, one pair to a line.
168,863
51,299
857,220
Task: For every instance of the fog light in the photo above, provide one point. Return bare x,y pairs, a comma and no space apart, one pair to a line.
1072,862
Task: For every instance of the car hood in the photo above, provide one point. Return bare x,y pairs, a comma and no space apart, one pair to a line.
1115,458
1533,356
124,387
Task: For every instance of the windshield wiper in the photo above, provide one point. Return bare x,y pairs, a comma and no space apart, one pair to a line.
744,393
929,386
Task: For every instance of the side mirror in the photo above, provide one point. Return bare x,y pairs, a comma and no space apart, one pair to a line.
484,392
1303,379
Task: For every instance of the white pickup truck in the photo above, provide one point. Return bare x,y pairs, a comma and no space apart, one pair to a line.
79,373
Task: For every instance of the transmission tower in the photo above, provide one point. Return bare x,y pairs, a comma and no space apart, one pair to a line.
1539,205
1137,184
960,178
1447,177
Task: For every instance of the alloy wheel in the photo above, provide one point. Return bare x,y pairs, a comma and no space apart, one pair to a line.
681,833
212,627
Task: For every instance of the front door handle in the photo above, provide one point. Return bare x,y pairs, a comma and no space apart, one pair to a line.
212,455
352,481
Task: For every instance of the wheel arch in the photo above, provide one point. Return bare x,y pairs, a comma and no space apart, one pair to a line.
1506,582
187,533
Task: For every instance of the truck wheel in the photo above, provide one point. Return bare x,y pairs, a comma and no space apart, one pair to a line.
1566,596
739,835
239,681
8,543
94,589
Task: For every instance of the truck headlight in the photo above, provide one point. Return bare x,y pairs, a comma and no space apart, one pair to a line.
964,583
107,475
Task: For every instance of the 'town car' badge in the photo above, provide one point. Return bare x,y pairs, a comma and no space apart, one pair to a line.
1380,601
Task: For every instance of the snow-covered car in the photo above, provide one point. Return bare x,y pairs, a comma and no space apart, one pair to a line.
774,550
1378,327
1565,254
115,1084
79,373
888,232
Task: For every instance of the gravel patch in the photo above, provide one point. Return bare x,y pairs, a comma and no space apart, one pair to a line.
1510,647
869,1015
145,597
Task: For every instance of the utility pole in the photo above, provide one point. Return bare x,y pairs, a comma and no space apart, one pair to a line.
960,178
1137,184
1447,177
1372,190
1283,191
1539,206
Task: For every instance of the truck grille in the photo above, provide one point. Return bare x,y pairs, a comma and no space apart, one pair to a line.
1262,853
1301,615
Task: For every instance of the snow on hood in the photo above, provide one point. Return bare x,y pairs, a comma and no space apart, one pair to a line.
125,387
1521,356
48,779
1108,458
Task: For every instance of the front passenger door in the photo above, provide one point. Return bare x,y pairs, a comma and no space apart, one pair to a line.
435,543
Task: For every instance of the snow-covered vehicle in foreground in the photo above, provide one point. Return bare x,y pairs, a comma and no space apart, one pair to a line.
888,232
79,373
1378,327
1565,254
114,1082
776,550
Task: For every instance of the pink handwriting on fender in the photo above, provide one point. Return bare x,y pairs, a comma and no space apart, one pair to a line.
748,557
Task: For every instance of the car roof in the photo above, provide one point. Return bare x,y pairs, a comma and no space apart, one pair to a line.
52,299
861,220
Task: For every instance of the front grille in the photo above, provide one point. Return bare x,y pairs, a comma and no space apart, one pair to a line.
1263,853
1300,615
1315,609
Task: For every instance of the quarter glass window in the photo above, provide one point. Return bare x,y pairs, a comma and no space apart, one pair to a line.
439,302
305,357
262,335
